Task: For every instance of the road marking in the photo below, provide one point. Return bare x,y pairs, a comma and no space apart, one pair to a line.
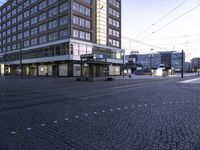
133,106
28,129
43,125
66,119
145,105
13,132
86,115
103,111
55,121
118,108
191,81
111,109
125,107
95,112
139,106
76,116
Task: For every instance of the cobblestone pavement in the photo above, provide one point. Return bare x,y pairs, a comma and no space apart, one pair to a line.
61,114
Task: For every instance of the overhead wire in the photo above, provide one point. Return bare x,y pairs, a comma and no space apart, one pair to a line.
185,13
160,19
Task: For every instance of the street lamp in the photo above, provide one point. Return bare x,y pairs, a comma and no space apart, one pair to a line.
150,60
198,65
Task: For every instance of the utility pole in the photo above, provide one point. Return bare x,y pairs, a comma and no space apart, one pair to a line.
123,62
198,65
182,59
150,60
20,55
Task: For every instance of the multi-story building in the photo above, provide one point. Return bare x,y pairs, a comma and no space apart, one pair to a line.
171,60
59,37
195,64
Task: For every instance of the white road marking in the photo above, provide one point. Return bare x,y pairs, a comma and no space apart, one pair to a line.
43,125
139,106
118,108
125,107
103,111
66,119
28,129
55,121
195,81
86,115
76,116
133,106
111,109
13,132
145,105
95,112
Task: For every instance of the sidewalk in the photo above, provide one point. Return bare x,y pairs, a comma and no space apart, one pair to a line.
133,76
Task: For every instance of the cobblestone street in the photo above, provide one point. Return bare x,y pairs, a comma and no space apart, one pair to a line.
59,114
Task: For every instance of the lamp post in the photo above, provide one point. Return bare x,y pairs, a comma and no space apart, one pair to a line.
20,55
198,66
150,61
182,57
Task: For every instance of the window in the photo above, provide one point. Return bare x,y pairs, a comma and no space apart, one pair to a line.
52,1
42,28
26,14
26,24
19,17
75,33
26,4
43,39
34,10
19,36
19,8
42,5
26,43
63,20
64,34
53,12
53,37
34,41
88,36
34,31
64,7
53,24
81,9
19,27
82,35
42,17
26,34
34,20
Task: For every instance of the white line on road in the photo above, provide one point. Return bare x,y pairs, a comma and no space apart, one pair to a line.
28,129
13,132
43,125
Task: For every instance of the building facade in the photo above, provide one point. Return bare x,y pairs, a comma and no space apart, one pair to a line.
49,37
170,60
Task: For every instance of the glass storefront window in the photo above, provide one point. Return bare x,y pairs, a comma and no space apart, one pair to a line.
77,70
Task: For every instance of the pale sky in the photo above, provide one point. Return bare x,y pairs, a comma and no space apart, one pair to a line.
184,33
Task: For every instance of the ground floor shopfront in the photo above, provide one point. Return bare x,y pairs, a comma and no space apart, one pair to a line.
63,59
63,69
